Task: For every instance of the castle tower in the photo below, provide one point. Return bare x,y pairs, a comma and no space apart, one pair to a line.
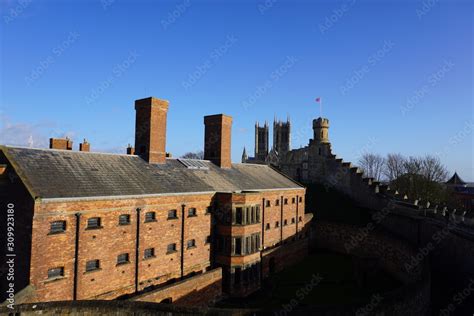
321,130
282,136
261,141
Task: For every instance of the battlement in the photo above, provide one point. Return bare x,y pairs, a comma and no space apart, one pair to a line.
373,194
321,123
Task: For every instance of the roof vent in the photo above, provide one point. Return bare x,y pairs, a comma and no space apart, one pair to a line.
195,164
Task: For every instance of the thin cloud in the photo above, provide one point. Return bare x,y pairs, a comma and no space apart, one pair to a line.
29,135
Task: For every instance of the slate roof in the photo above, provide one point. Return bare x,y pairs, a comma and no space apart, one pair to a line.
70,174
456,180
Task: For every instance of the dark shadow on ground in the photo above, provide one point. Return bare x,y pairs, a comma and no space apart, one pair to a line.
321,279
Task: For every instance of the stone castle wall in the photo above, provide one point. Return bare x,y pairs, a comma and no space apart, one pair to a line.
413,298
198,291
115,308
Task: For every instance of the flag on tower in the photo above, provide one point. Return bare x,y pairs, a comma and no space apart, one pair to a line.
318,100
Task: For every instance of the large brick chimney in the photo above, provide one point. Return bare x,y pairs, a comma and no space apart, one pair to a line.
150,129
60,143
217,139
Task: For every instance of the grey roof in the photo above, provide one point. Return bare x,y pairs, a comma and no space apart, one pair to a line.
456,180
68,174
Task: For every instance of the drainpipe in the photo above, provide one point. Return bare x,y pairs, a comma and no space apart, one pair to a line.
137,248
281,220
297,219
262,218
76,256
263,239
182,240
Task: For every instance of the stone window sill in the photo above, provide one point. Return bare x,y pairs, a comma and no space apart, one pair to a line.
92,271
56,233
50,280
122,263
94,228
246,224
170,252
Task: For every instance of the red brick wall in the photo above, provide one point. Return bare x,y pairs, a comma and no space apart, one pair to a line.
200,290
272,237
105,244
150,129
15,203
284,256
84,146
217,139
60,143
273,214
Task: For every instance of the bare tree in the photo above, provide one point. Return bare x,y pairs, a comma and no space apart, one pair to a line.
394,166
372,165
413,165
433,169
422,177
195,155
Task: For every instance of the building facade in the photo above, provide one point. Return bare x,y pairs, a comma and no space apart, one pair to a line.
461,191
103,226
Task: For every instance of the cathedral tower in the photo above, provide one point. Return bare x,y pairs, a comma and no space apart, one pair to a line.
282,136
261,142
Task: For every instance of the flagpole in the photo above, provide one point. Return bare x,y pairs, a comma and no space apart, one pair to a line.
321,107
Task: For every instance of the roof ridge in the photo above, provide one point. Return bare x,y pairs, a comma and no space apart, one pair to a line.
68,151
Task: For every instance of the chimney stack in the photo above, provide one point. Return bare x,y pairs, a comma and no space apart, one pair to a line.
84,146
150,129
217,139
60,143
130,150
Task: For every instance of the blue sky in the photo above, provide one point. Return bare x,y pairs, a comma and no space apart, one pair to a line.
394,76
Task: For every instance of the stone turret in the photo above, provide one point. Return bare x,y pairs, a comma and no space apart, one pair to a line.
321,130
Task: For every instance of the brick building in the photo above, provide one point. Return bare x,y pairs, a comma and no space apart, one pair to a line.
100,226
